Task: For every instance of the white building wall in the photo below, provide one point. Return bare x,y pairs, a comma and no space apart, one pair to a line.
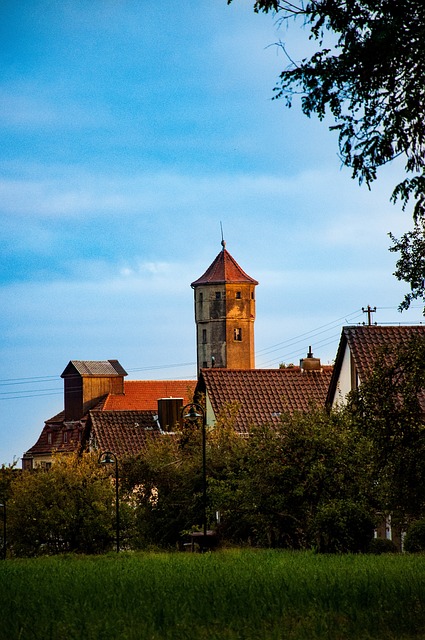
210,417
343,386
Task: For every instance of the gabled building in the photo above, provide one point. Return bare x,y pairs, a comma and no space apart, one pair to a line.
262,396
359,347
105,412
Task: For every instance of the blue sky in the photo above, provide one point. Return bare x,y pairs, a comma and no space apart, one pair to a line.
129,131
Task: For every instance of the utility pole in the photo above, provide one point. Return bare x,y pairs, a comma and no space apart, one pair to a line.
369,312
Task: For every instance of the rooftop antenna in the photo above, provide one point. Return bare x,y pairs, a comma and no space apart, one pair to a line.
223,243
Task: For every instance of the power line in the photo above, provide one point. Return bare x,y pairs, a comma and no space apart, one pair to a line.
163,366
7,381
285,344
299,353
35,395
7,393
356,314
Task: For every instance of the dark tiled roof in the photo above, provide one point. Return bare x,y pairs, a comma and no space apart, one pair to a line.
123,432
55,428
264,394
223,270
115,414
143,395
366,342
95,368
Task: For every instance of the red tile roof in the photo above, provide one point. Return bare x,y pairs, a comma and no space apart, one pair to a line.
365,344
223,270
138,404
125,433
143,395
264,394
54,429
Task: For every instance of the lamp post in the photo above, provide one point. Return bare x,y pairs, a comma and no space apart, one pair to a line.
193,412
107,457
3,504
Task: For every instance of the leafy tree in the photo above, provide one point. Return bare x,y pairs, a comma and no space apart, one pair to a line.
7,474
227,465
66,508
268,487
411,264
415,537
369,75
166,487
309,461
342,526
387,409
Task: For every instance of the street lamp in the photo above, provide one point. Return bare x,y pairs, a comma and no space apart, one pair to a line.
3,504
107,457
193,412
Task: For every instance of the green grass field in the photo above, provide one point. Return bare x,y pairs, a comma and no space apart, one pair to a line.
228,594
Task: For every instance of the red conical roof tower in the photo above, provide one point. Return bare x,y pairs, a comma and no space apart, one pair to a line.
225,314
224,269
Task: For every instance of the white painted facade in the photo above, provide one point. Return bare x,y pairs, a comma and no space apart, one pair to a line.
210,417
344,384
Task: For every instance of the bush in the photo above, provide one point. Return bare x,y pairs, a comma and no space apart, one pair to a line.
342,526
382,545
414,541
64,509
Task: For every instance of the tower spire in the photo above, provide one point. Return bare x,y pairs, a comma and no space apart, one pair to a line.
223,242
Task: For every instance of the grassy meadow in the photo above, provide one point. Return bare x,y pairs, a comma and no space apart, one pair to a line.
235,594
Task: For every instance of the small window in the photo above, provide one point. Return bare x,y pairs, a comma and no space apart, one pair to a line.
65,437
204,364
238,295
201,297
204,336
49,438
218,295
252,295
237,334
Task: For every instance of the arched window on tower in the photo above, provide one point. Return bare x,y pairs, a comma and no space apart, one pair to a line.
237,334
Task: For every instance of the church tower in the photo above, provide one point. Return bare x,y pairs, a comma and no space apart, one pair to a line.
224,315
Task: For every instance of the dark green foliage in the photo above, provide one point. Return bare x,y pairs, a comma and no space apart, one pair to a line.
286,486
411,263
7,475
414,541
368,74
166,488
70,507
293,469
386,410
267,488
312,481
378,546
342,526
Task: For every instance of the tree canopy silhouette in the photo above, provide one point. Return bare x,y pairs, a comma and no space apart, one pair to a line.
368,73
